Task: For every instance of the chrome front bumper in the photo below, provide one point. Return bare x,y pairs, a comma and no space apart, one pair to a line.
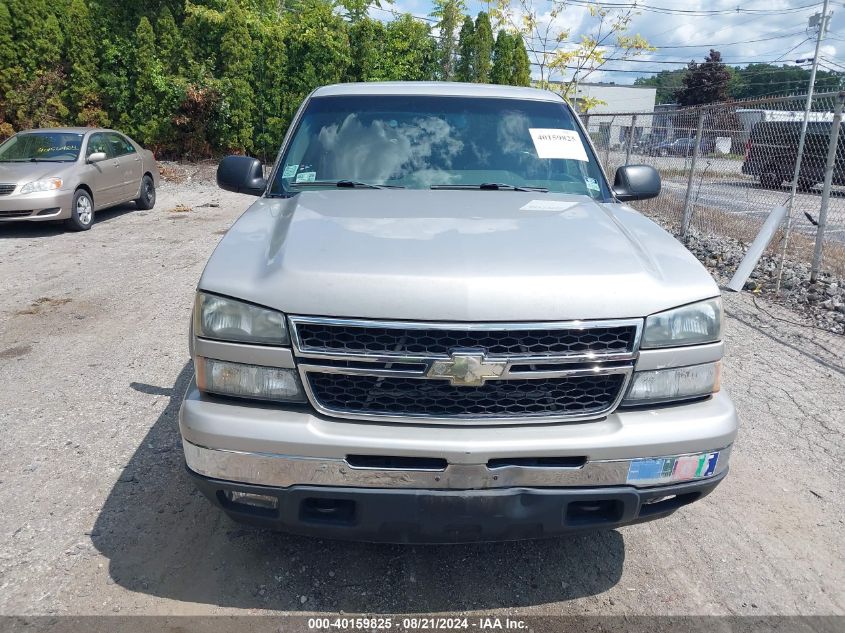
285,471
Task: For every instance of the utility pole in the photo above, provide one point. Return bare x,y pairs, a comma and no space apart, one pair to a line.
820,21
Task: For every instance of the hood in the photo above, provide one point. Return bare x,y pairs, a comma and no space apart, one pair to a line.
453,256
27,172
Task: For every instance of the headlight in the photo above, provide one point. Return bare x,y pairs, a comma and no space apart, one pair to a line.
248,381
42,185
678,383
688,325
229,320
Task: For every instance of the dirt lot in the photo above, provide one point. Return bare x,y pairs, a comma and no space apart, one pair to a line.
100,518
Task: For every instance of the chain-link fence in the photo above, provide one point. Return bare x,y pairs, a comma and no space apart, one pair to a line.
724,168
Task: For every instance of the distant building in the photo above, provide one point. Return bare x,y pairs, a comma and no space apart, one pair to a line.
614,130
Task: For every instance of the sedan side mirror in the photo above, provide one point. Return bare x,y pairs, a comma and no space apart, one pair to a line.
636,182
241,174
96,157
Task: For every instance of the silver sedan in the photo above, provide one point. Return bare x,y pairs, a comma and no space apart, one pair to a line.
69,173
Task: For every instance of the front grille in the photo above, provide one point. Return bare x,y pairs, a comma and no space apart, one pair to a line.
320,337
6,188
581,395
479,373
14,214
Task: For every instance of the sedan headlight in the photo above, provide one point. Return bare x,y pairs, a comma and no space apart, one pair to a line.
248,381
225,319
692,324
48,184
678,383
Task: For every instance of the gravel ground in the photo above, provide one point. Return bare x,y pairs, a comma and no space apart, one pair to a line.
100,518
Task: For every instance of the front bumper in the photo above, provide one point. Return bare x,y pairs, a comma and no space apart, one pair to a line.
447,484
36,207
450,516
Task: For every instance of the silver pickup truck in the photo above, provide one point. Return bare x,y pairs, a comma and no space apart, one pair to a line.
439,322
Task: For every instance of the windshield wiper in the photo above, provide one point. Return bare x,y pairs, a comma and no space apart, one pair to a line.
343,184
493,186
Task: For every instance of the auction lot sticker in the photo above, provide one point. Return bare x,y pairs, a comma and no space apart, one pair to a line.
556,143
670,469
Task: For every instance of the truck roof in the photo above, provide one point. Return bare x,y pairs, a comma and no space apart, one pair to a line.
436,88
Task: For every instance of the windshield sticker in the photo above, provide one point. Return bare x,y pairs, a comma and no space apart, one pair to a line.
554,143
592,184
306,176
289,171
548,205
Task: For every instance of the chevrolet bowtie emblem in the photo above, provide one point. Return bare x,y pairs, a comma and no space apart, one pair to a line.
467,369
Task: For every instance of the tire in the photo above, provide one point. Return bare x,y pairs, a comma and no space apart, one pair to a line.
81,211
147,198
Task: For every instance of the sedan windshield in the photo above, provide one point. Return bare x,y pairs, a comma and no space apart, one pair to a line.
423,142
60,147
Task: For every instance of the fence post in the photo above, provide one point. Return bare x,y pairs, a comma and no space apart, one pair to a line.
828,178
630,142
685,222
607,149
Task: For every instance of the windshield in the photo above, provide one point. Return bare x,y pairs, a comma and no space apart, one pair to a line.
42,146
423,142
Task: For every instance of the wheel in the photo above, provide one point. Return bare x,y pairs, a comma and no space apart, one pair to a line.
147,199
663,152
770,180
81,211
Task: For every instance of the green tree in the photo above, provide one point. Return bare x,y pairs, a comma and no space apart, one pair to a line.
707,82
10,74
521,70
667,83
408,52
465,68
317,49
169,42
37,35
144,115
448,14
271,107
238,57
83,91
483,48
357,9
503,61
365,40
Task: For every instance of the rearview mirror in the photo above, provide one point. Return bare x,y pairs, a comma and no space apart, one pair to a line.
96,157
636,182
241,174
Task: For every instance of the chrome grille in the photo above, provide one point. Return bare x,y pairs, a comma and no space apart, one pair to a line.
6,188
404,371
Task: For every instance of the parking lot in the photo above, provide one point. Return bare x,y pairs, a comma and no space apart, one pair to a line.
100,517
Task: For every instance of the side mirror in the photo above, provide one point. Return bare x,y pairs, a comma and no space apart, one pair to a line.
96,157
241,174
636,182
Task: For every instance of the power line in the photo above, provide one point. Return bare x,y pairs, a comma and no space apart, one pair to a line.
692,12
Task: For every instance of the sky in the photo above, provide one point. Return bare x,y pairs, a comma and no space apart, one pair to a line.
773,31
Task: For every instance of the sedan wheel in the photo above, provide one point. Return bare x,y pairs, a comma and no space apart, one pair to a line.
82,211
147,199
